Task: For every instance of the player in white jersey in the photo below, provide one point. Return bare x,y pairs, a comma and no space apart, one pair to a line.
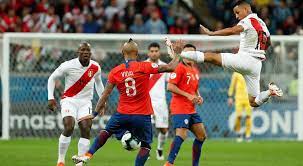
81,74
255,39
158,98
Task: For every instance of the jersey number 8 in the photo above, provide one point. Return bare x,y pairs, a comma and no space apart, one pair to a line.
130,88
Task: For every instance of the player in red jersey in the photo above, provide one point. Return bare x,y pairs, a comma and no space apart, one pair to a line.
184,83
134,108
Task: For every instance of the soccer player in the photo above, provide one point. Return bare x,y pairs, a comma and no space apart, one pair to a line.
254,41
134,108
184,83
238,89
81,74
158,98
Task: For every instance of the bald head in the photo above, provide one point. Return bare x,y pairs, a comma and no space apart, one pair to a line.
242,9
84,53
130,49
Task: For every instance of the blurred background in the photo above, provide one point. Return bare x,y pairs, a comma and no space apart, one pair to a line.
49,33
32,59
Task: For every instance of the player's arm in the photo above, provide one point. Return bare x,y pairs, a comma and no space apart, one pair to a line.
102,101
98,83
174,89
200,98
231,89
51,83
223,32
174,50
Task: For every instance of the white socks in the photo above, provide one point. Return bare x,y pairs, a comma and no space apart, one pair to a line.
262,97
193,55
161,140
63,146
83,146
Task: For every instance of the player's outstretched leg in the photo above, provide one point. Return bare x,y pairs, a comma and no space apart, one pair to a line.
143,154
65,139
200,133
181,134
99,141
198,56
263,97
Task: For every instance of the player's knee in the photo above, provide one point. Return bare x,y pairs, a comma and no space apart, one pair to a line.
201,137
145,145
163,130
68,130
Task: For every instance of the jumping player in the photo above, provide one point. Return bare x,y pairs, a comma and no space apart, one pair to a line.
81,74
184,83
255,39
134,108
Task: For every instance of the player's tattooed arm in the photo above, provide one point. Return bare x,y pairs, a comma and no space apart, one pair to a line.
100,108
177,47
223,32
174,89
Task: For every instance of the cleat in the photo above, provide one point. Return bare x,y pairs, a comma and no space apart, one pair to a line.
168,164
274,90
81,159
159,155
60,164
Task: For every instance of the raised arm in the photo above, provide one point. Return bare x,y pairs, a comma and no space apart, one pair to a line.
223,32
174,50
101,103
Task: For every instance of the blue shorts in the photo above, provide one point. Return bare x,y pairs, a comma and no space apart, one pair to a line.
185,120
139,125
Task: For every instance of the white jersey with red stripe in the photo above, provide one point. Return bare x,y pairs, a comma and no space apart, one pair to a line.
158,91
254,39
79,80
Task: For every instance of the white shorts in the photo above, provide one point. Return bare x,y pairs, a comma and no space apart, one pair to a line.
160,117
248,66
76,108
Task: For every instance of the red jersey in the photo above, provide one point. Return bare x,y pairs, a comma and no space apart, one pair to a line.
186,78
133,85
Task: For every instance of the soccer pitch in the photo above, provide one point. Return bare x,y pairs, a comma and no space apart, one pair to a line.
38,152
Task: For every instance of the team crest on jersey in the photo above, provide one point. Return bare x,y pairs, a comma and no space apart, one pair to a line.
154,65
186,121
173,75
90,73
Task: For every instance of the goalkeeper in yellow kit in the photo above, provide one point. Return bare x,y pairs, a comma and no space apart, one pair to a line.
238,89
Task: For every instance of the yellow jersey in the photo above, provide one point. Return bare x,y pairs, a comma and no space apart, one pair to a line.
238,87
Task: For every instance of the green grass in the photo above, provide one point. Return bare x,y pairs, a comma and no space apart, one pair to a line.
43,152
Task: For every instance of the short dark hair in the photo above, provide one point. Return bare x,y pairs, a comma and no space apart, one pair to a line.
188,45
240,2
154,44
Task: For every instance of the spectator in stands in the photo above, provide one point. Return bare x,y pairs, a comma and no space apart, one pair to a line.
27,21
68,23
193,26
49,21
112,9
281,12
179,27
138,25
155,25
90,25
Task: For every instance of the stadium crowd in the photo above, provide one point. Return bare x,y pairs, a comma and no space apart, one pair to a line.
282,17
95,16
134,16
